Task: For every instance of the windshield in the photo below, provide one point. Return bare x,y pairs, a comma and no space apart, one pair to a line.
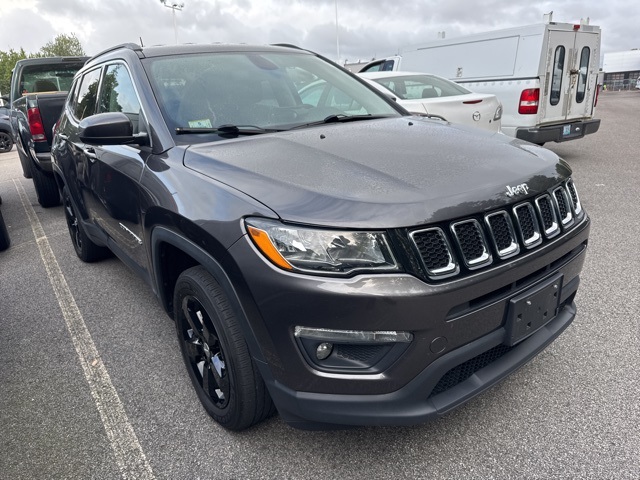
256,90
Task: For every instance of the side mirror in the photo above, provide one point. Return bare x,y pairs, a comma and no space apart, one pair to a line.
112,128
5,98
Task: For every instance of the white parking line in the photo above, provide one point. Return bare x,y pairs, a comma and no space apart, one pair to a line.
130,458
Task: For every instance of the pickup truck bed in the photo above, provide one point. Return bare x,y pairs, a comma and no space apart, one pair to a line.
38,92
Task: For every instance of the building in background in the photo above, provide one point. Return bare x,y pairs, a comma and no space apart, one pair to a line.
622,69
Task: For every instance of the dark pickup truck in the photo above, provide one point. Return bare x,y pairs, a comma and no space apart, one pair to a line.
39,88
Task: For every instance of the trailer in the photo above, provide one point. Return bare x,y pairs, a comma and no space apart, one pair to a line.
545,75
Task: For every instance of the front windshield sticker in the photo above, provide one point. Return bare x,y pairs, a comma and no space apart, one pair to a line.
204,123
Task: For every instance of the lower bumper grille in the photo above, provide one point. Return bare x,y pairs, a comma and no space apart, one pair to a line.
463,371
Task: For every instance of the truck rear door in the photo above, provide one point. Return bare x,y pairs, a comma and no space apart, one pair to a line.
571,76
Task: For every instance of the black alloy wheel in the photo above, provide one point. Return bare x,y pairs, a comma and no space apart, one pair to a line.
86,250
204,352
215,353
6,142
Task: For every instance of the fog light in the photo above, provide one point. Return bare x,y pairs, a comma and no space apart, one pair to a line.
324,350
353,336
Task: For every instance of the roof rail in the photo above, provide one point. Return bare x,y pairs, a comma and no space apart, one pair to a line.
289,45
130,46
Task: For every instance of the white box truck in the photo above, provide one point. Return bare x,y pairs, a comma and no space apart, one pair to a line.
545,75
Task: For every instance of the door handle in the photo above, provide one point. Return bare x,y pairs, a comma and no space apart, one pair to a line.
90,154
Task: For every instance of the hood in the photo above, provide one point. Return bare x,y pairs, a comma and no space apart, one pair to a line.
385,173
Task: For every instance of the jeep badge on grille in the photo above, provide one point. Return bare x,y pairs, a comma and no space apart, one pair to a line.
521,189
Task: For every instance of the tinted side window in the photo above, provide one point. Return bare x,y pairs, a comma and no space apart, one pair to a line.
556,81
85,103
582,74
118,94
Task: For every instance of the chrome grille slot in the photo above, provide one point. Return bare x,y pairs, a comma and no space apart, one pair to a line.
472,243
548,216
435,252
562,202
527,225
573,196
502,234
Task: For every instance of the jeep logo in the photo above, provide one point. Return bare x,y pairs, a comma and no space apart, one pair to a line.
521,189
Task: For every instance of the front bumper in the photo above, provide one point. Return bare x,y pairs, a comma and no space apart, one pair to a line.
558,133
423,398
456,325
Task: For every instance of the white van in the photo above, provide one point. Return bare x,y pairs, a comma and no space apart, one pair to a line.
545,75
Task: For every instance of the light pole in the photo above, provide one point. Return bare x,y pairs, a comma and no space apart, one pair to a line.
337,37
173,6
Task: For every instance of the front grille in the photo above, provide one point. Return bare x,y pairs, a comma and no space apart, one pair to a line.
528,225
465,370
503,235
435,251
473,243
548,216
562,201
573,195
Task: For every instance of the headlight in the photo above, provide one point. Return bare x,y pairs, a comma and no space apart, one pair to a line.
314,250
498,114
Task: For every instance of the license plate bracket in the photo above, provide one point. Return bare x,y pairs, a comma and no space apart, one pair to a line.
532,309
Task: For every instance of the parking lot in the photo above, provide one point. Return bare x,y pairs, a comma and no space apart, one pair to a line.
92,384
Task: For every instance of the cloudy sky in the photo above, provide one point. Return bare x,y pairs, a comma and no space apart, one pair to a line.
367,28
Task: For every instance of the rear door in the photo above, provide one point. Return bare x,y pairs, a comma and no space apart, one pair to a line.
571,76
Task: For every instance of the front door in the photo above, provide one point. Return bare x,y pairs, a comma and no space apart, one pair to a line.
115,171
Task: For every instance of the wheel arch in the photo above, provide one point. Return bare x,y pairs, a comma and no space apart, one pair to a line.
184,254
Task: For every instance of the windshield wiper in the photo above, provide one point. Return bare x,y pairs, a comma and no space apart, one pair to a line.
231,130
341,118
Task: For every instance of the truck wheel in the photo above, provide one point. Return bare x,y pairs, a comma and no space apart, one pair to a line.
4,235
86,250
46,188
6,142
215,353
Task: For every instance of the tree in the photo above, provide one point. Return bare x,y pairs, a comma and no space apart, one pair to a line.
62,46
7,62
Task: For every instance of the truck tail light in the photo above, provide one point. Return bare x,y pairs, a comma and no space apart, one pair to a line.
595,102
35,125
529,101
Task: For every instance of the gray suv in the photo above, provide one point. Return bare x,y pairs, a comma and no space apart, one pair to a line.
327,256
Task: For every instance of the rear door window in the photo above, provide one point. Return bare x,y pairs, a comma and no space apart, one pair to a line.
556,80
583,73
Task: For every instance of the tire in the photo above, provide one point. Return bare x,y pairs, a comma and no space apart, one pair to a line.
5,241
85,248
215,353
46,188
6,142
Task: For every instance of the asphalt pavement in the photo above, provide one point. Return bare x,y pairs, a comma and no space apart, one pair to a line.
92,384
